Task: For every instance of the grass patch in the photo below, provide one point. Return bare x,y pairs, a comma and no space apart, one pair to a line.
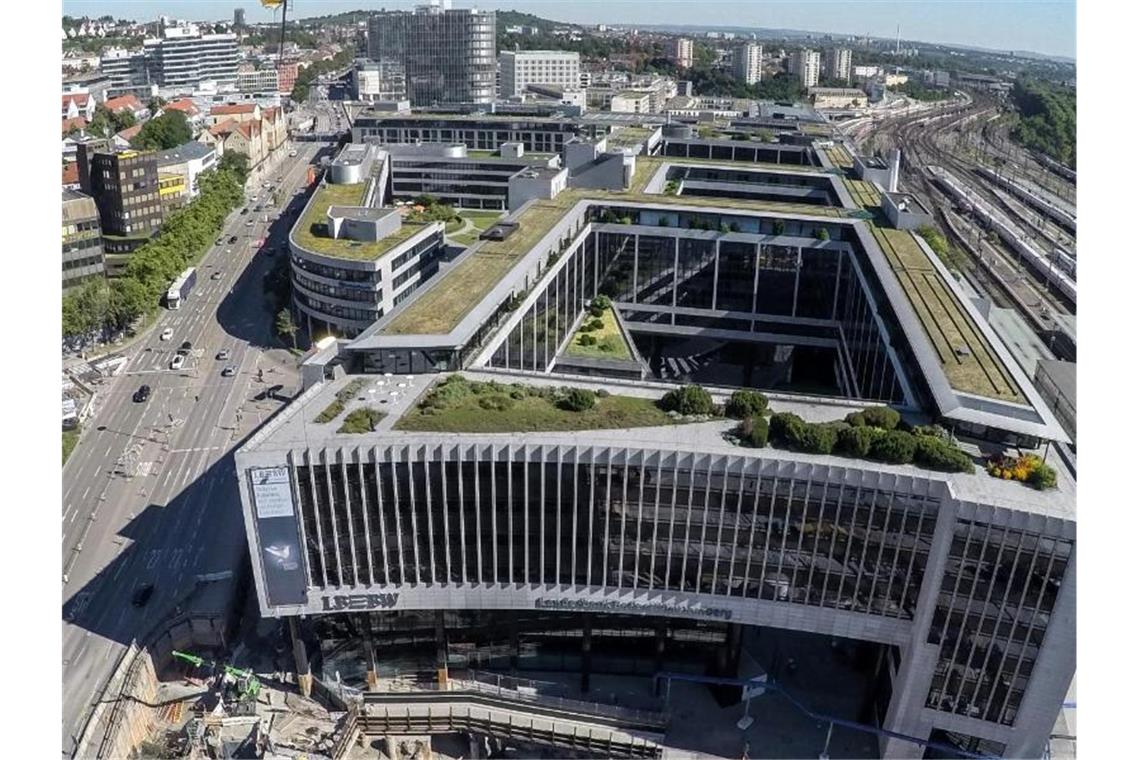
458,405
70,438
343,396
310,234
604,342
480,221
362,420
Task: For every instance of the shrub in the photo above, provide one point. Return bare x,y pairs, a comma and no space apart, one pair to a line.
753,431
936,454
855,440
495,402
586,340
1027,468
778,227
1042,476
602,393
362,420
895,447
881,417
856,419
595,324
578,400
688,400
822,234
784,424
813,438
932,431
743,404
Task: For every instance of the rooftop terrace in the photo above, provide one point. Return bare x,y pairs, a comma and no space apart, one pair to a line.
310,234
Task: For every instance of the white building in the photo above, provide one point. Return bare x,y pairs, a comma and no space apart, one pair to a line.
838,64
261,81
865,72
804,65
520,68
183,57
747,64
680,51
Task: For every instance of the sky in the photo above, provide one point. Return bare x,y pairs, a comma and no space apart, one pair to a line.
1041,26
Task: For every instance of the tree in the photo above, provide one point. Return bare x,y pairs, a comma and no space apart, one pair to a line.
164,132
688,400
286,326
127,302
236,163
155,104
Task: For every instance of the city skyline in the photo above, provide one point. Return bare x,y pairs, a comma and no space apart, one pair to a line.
1046,28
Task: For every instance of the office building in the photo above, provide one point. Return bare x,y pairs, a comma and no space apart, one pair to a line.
124,184
448,54
519,69
837,64
837,98
239,19
182,58
656,545
263,81
126,71
82,239
188,161
747,63
481,132
804,65
679,50
378,80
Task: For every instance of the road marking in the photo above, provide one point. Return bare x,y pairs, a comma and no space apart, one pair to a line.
200,448
73,516
85,492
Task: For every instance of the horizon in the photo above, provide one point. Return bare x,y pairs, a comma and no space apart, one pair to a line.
1040,27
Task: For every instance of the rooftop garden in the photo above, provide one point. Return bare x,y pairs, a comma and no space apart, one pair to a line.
311,232
362,420
459,405
599,337
472,225
343,396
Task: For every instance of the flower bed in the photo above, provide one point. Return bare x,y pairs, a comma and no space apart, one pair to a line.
1027,468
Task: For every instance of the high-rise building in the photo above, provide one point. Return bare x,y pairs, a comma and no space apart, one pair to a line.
804,65
183,57
747,63
124,185
520,68
239,18
125,69
679,50
837,64
448,54
82,239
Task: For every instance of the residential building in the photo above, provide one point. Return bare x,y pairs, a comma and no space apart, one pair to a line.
245,138
236,112
679,50
173,192
747,63
938,79
865,72
186,106
837,98
448,54
286,76
631,101
253,81
837,64
128,103
522,68
188,161
126,69
124,184
76,105
82,239
804,65
182,58
70,178
122,139
894,80
94,83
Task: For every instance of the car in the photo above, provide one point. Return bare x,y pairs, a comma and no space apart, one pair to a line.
233,239
223,355
177,362
292,154
245,211
219,241
142,595
216,276
185,347
249,223
167,334
142,394
229,370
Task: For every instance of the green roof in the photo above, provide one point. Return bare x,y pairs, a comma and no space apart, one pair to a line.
309,233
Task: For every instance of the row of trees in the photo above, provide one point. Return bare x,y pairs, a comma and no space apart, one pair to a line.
1048,120
103,309
720,83
306,77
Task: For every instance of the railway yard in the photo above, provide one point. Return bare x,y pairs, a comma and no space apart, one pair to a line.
1011,214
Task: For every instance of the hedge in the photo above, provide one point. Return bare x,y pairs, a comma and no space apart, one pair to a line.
743,404
894,446
936,454
688,400
856,441
875,416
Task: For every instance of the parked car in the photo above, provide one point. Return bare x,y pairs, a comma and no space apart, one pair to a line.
142,394
245,211
216,276
167,334
229,370
177,362
233,239
223,355
185,347
142,595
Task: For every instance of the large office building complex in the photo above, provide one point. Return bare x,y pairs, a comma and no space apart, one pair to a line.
478,514
804,65
448,54
82,239
520,68
183,57
748,62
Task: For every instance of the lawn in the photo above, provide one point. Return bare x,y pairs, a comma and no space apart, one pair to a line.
362,420
458,405
70,438
609,341
481,220
305,235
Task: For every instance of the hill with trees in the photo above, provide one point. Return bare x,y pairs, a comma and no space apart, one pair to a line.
1048,119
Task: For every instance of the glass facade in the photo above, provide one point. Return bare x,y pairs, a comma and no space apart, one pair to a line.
611,519
787,290
994,606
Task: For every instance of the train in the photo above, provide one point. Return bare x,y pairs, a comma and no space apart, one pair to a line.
1060,215
1057,268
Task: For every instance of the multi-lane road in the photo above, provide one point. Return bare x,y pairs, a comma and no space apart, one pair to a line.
148,494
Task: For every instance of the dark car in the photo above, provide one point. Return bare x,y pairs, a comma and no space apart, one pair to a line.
184,349
142,595
142,394
245,211
233,239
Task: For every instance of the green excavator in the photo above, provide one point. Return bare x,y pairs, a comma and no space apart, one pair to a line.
246,687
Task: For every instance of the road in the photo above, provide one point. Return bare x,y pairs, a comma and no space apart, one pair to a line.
148,494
